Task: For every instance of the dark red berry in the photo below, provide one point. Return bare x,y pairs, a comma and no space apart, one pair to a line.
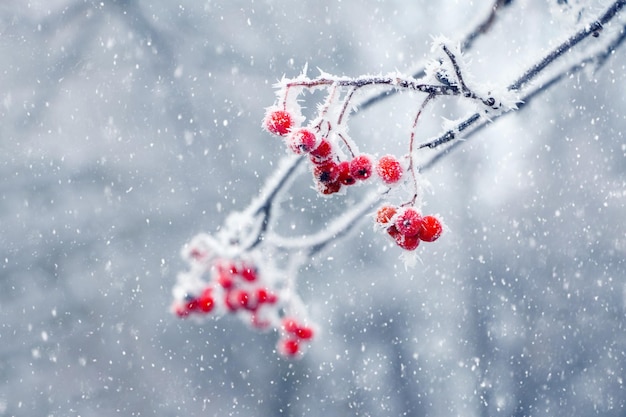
304,333
323,152
345,177
326,172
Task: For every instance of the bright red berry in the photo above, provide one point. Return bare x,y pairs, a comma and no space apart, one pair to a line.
206,301
361,167
248,273
344,173
385,213
265,296
431,229
409,222
302,141
278,122
389,169
323,152
289,347
304,333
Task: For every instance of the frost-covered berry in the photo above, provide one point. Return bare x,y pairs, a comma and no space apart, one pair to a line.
326,172
361,167
323,152
389,169
431,229
409,222
278,122
345,177
328,188
302,141
407,242
385,213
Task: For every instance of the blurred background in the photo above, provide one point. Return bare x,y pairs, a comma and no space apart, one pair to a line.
128,126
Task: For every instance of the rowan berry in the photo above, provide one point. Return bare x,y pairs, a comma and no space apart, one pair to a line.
344,176
302,141
329,188
407,242
248,273
180,310
278,122
289,347
326,172
389,169
206,301
323,152
361,167
304,333
430,229
385,213
290,325
409,222
266,297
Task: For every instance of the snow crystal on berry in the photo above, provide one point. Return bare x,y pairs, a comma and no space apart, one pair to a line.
389,169
278,122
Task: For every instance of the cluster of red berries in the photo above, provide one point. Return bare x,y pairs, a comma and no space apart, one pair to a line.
236,287
294,336
407,227
329,173
202,304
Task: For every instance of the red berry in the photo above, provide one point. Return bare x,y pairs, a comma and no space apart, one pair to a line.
431,229
326,172
344,173
278,122
266,297
385,213
304,333
389,169
409,222
290,325
323,152
407,242
249,273
180,310
329,188
289,347
393,232
192,305
361,167
205,301
302,141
